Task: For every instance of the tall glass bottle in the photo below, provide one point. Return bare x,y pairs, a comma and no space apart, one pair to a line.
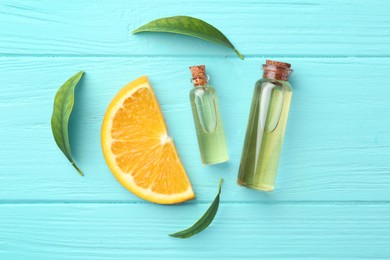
266,127
208,122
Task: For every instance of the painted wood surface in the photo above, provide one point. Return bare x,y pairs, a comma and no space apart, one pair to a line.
336,144
240,231
295,28
332,196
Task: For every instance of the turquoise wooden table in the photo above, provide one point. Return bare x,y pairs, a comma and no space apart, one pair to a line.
332,199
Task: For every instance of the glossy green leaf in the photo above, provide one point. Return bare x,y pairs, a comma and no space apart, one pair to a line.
204,221
63,106
190,26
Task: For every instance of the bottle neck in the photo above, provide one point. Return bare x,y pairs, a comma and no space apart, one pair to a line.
277,74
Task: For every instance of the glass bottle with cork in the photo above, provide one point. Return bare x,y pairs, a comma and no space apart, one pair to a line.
266,127
207,118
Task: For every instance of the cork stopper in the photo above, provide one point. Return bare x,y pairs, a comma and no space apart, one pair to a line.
277,70
199,77
278,63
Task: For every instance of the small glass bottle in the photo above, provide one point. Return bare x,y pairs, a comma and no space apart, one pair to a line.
266,127
208,122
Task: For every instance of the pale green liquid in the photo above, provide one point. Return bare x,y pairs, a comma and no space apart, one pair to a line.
265,133
208,123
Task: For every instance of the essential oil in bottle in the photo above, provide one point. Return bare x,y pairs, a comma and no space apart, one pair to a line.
266,127
207,118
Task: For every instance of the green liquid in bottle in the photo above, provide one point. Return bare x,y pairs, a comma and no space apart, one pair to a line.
265,133
208,124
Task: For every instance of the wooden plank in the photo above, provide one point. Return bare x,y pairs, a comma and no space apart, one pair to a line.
139,231
336,147
298,27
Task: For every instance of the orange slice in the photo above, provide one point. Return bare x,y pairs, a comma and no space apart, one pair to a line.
137,147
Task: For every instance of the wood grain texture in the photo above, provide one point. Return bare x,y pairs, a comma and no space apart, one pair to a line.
333,189
297,27
249,231
336,146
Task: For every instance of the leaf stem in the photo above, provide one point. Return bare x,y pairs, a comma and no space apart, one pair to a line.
238,53
77,168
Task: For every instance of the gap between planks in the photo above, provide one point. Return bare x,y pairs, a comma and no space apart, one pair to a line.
233,56
319,202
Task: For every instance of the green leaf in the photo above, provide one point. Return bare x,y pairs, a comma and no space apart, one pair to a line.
190,26
63,106
204,221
